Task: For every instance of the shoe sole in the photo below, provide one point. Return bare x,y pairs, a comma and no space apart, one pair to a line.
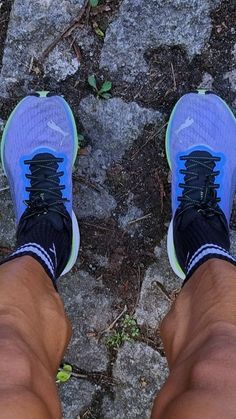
170,237
75,226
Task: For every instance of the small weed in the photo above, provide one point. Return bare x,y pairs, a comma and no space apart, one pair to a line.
99,32
64,373
94,3
128,331
81,140
104,89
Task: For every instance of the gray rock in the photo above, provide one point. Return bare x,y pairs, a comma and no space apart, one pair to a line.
207,82
142,25
153,303
86,38
112,125
90,203
7,218
2,123
61,62
132,214
75,395
233,242
162,272
125,221
97,260
234,52
140,372
234,106
33,26
231,77
89,305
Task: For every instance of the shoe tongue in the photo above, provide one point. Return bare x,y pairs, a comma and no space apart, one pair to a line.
41,198
202,176
198,219
42,173
56,220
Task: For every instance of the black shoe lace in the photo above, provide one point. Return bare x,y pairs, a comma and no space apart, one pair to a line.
199,195
45,190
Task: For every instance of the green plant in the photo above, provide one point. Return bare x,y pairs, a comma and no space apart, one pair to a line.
128,331
93,3
64,373
103,90
130,326
99,32
81,140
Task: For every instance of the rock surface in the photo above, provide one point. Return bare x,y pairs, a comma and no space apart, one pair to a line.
143,25
207,82
231,77
153,303
78,397
89,305
28,38
141,372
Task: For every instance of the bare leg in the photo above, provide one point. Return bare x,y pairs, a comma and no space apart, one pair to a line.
34,333
199,335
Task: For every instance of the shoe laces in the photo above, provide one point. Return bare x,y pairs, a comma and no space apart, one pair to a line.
199,187
45,188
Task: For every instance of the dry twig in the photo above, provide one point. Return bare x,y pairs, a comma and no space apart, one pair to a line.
140,219
76,49
173,75
96,226
161,189
4,189
114,322
86,182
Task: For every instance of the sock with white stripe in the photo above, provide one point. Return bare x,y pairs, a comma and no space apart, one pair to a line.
48,240
198,237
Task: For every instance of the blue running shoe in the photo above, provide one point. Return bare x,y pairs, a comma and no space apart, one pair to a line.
201,152
38,150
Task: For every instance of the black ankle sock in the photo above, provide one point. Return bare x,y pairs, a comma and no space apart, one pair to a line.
198,237
47,241
45,228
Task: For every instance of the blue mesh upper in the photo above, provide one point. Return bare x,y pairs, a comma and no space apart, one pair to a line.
204,122
38,124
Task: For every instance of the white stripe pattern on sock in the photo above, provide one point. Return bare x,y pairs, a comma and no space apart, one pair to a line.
39,251
204,247
209,251
42,250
